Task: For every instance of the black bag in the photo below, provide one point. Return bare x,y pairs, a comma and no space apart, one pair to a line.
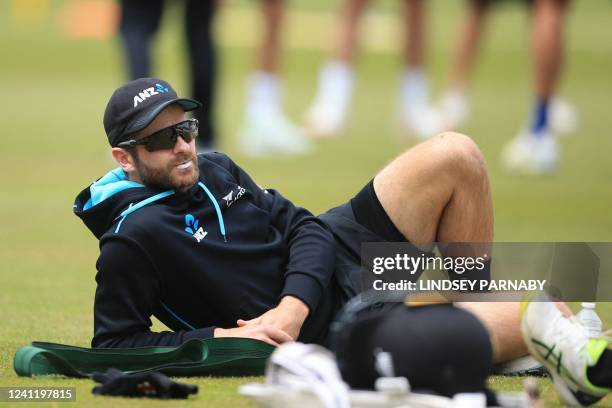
439,348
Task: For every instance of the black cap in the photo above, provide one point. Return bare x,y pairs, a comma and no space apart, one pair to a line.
134,105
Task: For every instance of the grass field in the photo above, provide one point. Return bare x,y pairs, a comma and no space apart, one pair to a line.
54,89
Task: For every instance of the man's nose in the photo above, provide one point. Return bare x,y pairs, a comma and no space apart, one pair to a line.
181,145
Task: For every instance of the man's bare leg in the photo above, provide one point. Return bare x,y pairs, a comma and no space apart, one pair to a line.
439,191
414,26
326,116
415,115
267,131
469,41
503,319
348,30
273,13
454,103
547,45
535,149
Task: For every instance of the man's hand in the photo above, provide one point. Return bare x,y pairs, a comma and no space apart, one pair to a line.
267,333
288,316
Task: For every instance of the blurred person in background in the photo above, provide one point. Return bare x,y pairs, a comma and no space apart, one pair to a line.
534,150
266,130
327,114
139,23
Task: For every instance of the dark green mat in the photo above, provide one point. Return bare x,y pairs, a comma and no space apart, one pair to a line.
209,357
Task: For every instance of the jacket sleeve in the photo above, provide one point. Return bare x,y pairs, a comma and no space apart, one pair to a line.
127,293
311,245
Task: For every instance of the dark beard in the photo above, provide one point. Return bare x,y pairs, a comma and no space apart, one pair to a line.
162,178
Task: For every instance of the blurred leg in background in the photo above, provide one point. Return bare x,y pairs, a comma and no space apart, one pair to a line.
328,113
416,117
140,20
139,23
199,17
534,150
266,130
454,103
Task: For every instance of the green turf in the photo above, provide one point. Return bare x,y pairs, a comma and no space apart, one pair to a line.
53,92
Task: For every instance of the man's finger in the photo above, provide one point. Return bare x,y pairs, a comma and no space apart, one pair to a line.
242,322
269,341
277,334
261,334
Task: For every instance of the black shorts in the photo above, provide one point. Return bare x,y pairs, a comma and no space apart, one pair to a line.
361,219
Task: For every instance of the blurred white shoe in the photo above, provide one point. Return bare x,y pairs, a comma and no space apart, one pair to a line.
454,107
327,115
272,134
266,130
422,122
415,114
324,119
530,154
563,117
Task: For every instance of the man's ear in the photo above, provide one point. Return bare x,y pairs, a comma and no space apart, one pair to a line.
124,158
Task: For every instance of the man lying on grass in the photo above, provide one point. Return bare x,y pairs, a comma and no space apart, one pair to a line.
194,241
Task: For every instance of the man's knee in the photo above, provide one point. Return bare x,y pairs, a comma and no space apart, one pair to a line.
446,154
459,154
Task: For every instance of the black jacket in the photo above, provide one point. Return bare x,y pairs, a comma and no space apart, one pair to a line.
223,250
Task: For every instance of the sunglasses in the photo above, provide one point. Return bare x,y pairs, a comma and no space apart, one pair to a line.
166,138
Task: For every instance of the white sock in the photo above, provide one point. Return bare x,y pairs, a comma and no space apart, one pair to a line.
263,94
414,89
454,105
335,84
455,93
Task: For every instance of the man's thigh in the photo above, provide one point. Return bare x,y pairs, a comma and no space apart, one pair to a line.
438,191
413,191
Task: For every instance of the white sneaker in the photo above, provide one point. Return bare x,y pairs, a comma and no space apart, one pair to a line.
272,134
327,115
530,154
416,116
422,121
324,119
454,107
563,346
563,117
